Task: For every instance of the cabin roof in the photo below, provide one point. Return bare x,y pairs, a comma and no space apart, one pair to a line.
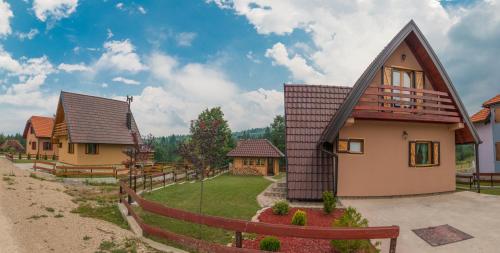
492,101
42,126
12,143
92,119
255,148
482,115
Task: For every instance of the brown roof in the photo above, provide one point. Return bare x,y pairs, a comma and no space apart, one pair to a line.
481,115
308,110
255,148
492,101
93,119
42,126
12,144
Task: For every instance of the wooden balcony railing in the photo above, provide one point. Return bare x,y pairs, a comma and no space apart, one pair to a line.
408,104
60,129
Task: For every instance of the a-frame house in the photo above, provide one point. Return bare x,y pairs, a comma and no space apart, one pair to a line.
393,133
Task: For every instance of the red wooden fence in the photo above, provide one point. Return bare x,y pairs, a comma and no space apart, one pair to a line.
240,226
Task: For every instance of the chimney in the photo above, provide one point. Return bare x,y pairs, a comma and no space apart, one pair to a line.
129,113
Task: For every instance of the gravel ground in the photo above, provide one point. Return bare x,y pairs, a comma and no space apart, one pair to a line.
35,217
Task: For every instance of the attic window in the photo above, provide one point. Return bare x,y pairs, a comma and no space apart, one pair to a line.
352,146
32,131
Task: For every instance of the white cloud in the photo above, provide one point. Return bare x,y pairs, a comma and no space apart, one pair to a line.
120,56
345,35
73,67
185,39
119,6
252,57
125,80
104,85
5,16
29,35
54,9
188,89
109,34
296,64
141,9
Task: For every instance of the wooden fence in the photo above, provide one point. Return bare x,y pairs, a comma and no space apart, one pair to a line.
471,178
129,189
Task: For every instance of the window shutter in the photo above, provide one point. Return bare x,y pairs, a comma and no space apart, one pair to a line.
387,80
412,153
343,145
419,84
436,153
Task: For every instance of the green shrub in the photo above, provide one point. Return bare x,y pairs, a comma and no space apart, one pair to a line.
45,157
29,156
299,218
281,208
19,156
270,243
53,157
329,202
37,157
351,218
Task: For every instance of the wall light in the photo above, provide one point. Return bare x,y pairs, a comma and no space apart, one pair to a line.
403,57
405,135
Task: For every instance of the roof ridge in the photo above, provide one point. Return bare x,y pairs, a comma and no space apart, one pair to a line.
93,96
315,85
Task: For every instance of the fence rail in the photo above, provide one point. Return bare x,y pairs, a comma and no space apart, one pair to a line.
472,178
129,189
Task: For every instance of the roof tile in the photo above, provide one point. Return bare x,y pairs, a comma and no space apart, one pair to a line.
255,148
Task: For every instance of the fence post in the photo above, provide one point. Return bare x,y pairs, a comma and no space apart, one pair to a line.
151,182
238,239
120,194
164,179
392,246
34,166
143,181
491,180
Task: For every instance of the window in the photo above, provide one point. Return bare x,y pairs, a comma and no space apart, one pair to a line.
59,145
497,146
402,78
245,162
32,131
91,148
352,146
260,162
71,148
250,161
47,145
33,145
424,153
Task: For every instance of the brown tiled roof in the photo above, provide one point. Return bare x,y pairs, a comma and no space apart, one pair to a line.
42,126
481,115
308,110
96,120
12,144
492,101
255,148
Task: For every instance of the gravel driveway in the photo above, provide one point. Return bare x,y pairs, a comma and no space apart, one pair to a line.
475,214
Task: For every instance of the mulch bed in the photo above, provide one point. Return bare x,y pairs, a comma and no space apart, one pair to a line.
315,217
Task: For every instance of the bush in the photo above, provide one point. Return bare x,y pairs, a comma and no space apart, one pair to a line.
44,157
53,157
351,218
270,243
329,202
299,218
281,208
19,156
37,157
29,156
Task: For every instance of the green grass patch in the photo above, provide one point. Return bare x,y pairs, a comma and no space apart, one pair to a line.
226,196
109,213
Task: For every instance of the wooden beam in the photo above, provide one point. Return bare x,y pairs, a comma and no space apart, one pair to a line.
404,117
408,110
456,126
349,122
405,102
403,95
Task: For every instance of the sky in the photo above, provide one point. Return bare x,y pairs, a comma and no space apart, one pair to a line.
179,57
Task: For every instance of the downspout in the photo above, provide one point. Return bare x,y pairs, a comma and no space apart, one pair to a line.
478,178
335,166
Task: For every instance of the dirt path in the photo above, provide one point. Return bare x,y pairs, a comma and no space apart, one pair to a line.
35,216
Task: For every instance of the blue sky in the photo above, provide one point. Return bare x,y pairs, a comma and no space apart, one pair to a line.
179,57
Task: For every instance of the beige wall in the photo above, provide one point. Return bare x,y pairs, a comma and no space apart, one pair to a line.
238,164
109,154
383,169
39,146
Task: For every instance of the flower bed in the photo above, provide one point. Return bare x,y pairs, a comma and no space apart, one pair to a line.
315,217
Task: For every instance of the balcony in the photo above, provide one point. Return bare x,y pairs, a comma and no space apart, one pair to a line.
60,129
385,102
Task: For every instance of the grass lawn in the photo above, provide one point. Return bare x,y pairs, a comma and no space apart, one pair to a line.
33,161
226,196
490,191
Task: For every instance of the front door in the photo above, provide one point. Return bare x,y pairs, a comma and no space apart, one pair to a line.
270,167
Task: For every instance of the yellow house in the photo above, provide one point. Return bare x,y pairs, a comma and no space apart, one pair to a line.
255,157
37,133
91,130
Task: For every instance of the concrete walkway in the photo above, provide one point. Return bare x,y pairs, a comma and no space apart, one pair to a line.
475,214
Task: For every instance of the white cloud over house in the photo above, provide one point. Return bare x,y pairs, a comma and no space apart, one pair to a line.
120,56
125,80
185,39
5,15
54,9
70,68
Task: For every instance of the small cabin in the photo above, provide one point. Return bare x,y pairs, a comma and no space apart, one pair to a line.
258,157
37,133
487,123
